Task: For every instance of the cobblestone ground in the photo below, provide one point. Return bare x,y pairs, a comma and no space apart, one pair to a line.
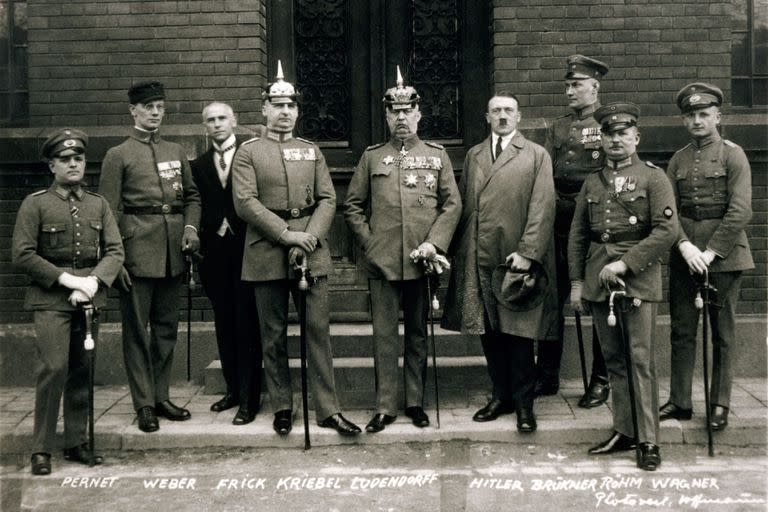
441,476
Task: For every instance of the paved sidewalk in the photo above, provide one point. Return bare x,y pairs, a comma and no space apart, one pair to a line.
560,422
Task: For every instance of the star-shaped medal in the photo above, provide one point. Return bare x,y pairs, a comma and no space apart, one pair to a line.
410,179
429,180
388,159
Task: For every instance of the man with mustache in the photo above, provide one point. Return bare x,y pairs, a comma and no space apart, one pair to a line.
574,144
624,224
505,230
402,197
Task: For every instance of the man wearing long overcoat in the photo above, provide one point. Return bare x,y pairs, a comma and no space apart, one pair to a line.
509,206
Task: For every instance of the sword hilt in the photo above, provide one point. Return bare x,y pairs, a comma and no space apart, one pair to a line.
303,272
611,314
88,343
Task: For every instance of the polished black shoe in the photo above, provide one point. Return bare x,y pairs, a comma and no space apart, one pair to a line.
492,410
378,422
546,387
597,393
171,411
283,422
718,419
341,424
227,402
41,463
147,419
418,416
618,442
244,416
526,420
649,457
670,411
81,454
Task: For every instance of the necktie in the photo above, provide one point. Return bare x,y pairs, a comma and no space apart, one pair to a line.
498,149
223,164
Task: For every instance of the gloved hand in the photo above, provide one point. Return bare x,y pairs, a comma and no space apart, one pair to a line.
190,242
518,262
576,301
693,257
123,281
77,297
88,285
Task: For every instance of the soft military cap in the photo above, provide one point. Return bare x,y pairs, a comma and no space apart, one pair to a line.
280,91
60,140
146,92
400,97
617,116
580,67
699,95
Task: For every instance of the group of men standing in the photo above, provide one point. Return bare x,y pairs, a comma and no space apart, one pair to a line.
526,228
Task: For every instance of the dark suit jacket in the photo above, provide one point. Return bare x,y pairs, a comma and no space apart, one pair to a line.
216,200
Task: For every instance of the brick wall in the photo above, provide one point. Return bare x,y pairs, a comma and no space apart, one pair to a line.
84,55
653,48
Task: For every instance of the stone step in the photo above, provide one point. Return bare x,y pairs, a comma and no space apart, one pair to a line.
459,379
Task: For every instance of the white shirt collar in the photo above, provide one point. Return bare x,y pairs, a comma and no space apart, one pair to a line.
227,143
504,140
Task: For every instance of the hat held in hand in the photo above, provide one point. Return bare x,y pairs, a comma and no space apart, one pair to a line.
517,290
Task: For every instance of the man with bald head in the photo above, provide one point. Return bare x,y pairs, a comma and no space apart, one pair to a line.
222,239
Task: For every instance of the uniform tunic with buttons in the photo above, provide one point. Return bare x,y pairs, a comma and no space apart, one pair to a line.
59,230
143,171
602,232
393,208
713,187
403,193
148,172
282,182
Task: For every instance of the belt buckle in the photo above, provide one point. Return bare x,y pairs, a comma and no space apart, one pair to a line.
166,208
295,212
605,237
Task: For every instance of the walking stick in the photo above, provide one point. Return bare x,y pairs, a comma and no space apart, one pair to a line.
190,286
702,302
612,322
580,338
435,305
304,282
89,344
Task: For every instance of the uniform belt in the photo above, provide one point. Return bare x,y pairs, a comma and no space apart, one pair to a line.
75,263
612,238
703,212
153,210
294,213
564,186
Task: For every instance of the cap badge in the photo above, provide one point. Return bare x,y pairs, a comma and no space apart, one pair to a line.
695,98
69,142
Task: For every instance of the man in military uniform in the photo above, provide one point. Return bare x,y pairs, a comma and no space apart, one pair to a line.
66,240
222,239
402,197
713,188
574,144
283,190
624,223
149,185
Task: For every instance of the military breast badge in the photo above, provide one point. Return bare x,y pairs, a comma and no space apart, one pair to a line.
410,179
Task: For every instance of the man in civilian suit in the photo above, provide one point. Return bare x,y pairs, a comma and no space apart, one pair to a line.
222,238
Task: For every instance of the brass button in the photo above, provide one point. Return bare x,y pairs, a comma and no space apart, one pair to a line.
295,212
